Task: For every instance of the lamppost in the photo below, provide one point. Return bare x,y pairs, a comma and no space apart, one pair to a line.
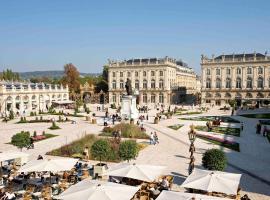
192,137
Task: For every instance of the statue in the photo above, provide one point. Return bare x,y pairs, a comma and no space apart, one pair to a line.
128,87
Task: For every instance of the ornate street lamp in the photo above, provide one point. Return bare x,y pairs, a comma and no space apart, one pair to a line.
192,134
192,138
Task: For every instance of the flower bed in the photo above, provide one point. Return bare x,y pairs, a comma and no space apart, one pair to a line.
222,130
43,137
220,141
176,126
257,116
189,113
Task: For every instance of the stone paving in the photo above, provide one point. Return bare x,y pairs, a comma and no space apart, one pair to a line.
253,160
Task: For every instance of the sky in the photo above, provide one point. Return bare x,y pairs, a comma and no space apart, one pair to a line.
45,35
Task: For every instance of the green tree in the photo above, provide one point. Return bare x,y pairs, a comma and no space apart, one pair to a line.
128,150
71,78
9,75
21,140
100,149
232,103
214,159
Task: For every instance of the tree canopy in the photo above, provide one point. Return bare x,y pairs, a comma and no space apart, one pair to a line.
71,78
9,75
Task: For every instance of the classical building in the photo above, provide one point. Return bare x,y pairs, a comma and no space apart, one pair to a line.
243,77
88,94
157,80
27,97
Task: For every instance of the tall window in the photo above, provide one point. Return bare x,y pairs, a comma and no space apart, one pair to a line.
238,83
160,73
208,83
260,70
161,98
153,83
152,73
249,82
137,84
121,84
128,74
238,71
260,82
144,84
144,98
153,98
218,83
136,74
113,98
144,73
249,70
218,71
114,84
228,83
208,72
113,74
121,74
161,83
228,71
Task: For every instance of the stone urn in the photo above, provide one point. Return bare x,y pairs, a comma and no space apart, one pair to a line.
156,120
94,121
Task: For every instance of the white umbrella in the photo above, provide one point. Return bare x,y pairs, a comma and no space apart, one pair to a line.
146,173
98,190
213,181
10,155
169,195
49,165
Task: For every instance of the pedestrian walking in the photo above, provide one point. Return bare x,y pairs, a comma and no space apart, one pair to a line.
151,138
156,138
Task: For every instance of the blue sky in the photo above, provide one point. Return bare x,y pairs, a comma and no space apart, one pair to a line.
45,35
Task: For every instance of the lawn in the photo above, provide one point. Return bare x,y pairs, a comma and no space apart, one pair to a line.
257,116
222,130
176,126
211,118
188,113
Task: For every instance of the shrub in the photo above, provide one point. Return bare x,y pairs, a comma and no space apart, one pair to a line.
43,132
35,134
128,150
54,126
113,106
32,114
100,149
214,159
11,115
94,114
21,140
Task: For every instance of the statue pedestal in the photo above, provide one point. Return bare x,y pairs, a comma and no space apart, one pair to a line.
128,107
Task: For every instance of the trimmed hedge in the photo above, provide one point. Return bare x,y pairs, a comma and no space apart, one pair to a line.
214,159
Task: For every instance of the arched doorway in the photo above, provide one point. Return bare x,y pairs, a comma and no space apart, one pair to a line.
87,97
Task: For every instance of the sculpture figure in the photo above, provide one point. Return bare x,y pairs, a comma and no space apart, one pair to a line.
128,87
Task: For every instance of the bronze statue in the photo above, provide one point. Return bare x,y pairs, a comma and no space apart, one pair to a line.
128,87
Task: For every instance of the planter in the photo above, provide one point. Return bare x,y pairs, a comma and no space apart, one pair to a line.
156,120
94,121
87,118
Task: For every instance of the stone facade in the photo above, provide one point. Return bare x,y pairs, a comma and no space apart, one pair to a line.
88,95
243,77
157,80
27,97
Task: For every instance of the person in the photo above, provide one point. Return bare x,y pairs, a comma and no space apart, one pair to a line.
164,184
40,157
86,153
265,131
242,126
156,138
258,128
245,197
147,117
151,138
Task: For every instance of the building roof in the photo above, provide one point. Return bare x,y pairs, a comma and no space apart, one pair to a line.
248,55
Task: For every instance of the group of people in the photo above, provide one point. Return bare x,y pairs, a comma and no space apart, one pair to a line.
154,138
259,129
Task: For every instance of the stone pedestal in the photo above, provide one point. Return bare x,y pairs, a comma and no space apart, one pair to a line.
128,107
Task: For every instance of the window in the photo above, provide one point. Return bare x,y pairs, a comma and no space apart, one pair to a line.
161,98
121,74
249,82
121,84
208,101
144,98
218,83
144,73
153,98
217,71
114,84
238,71
160,73
260,70
260,82
136,74
144,84
249,70
238,83
128,74
228,71
153,83
161,83
208,72
208,83
137,84
152,73
113,98
228,83
113,74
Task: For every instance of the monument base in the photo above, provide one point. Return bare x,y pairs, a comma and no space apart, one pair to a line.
128,107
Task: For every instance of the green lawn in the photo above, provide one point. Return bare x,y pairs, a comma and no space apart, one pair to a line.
222,130
257,116
211,118
176,126
188,113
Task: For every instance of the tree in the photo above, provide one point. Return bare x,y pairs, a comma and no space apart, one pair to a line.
100,149
214,159
21,140
105,73
232,103
9,75
71,78
128,150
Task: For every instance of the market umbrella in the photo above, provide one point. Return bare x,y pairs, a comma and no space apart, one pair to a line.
213,181
146,173
49,165
98,190
10,155
169,195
